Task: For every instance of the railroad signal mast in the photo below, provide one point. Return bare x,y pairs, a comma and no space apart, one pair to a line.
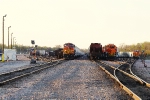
32,42
33,57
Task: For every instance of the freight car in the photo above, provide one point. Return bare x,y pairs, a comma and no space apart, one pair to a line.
95,51
125,54
70,51
51,54
34,52
58,53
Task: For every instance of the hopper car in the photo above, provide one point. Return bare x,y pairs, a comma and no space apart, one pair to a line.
70,51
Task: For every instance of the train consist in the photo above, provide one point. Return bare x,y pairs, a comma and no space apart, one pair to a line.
95,51
110,52
70,51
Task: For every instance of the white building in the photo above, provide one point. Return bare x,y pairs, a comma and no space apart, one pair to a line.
9,54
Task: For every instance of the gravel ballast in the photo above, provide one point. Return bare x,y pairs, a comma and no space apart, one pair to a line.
141,71
15,65
74,79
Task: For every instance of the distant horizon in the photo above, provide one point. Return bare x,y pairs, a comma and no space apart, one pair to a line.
77,46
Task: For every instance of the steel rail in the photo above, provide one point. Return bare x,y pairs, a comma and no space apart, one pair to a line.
134,77
127,90
143,82
22,72
131,75
131,82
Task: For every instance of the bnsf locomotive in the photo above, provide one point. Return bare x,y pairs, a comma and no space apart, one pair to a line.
70,51
96,51
136,54
110,51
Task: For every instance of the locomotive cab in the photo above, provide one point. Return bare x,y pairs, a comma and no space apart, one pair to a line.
69,51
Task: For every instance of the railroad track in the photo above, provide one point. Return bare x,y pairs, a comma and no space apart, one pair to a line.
16,74
137,88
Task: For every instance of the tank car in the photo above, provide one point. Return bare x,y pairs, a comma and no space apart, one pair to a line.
95,51
37,52
124,55
70,51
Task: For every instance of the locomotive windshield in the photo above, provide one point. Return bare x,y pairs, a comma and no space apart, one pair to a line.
69,44
112,46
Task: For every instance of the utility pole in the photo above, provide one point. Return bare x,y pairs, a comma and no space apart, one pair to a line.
3,40
8,36
11,40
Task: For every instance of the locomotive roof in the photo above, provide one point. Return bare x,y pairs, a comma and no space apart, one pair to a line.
69,44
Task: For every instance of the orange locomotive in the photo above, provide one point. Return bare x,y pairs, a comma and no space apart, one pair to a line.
136,54
110,51
70,51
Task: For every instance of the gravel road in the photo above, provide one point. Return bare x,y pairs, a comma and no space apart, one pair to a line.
75,79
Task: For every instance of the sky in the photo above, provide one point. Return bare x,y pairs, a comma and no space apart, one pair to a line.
81,22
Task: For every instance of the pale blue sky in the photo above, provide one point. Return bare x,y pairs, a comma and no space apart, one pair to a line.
55,22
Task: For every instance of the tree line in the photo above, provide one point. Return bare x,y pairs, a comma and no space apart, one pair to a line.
145,46
122,48
26,49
